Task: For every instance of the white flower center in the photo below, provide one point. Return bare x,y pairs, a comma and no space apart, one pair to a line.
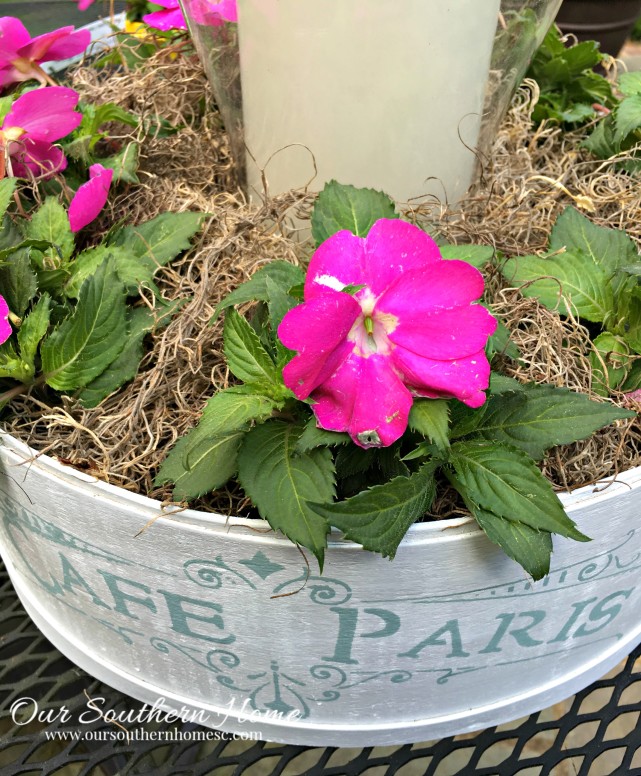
370,330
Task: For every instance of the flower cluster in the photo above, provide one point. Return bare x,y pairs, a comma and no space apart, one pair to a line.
37,119
406,327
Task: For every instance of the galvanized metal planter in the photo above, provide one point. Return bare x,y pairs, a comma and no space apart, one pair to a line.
216,619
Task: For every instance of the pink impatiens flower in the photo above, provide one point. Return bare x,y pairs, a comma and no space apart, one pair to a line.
410,329
36,120
21,55
5,326
90,198
203,12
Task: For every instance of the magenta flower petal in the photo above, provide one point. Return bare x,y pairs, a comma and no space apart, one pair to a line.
170,19
439,285
465,379
228,9
45,114
13,35
318,330
59,44
84,4
446,334
5,326
394,247
338,262
9,75
365,398
90,198
36,158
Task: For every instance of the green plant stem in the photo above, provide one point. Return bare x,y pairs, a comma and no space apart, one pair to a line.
7,396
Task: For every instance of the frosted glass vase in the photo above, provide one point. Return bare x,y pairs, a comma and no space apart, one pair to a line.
399,96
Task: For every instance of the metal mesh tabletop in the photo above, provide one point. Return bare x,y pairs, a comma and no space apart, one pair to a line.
595,733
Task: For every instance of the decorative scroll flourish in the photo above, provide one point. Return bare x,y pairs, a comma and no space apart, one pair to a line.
606,564
218,661
321,590
214,573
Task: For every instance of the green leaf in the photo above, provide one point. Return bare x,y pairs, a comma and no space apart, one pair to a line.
6,103
281,273
633,381
200,468
86,264
247,358
282,482
609,249
33,329
476,255
430,417
140,321
556,70
579,112
233,409
124,164
601,141
527,546
627,117
11,365
7,187
353,460
160,239
569,280
464,420
379,518
504,480
390,463
582,56
83,346
630,83
594,87
346,207
541,416
51,223
18,282
38,245
501,344
194,464
504,384
632,334
313,437
280,303
610,361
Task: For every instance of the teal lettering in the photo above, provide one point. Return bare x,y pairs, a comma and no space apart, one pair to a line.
52,585
179,617
435,639
563,634
601,611
520,634
347,621
71,578
121,597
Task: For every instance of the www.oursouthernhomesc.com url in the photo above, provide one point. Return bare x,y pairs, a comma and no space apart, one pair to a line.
139,734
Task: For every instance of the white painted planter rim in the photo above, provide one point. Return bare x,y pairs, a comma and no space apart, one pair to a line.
418,533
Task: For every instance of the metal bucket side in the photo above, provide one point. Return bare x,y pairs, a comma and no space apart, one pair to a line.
448,638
